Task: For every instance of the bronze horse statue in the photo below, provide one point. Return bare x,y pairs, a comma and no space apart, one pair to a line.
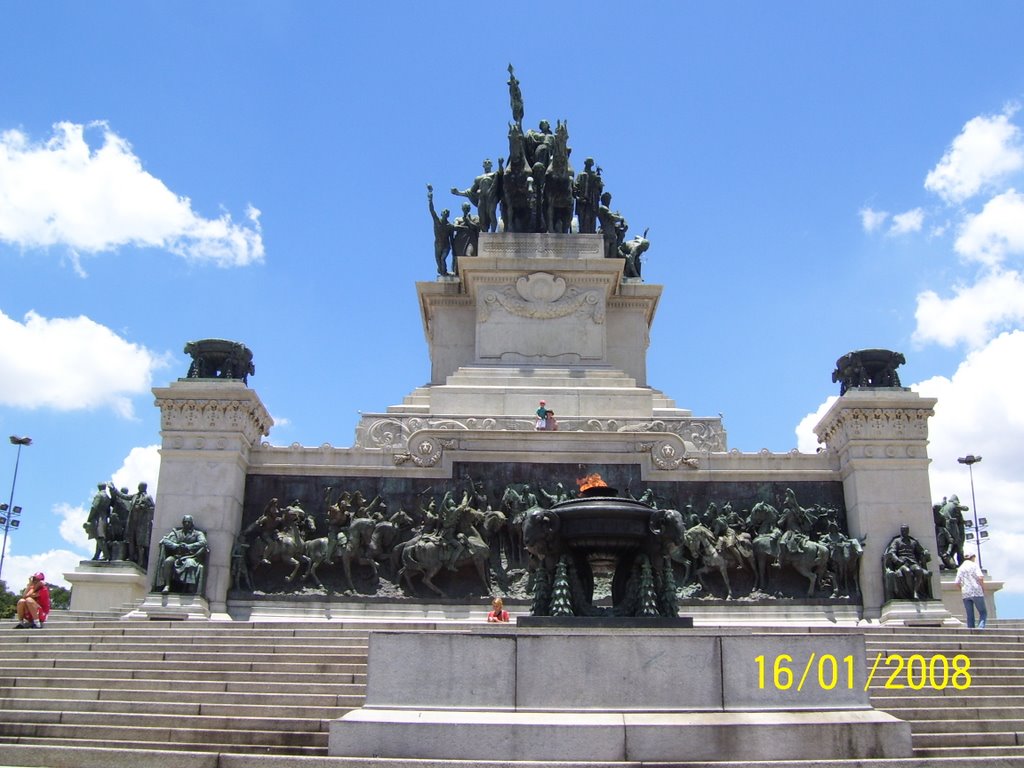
558,197
426,556
290,548
516,185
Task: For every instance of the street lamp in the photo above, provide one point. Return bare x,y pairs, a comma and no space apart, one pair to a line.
970,460
10,520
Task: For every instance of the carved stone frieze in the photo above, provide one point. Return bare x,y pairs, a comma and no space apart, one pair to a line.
393,432
875,424
528,245
426,452
542,296
666,456
247,417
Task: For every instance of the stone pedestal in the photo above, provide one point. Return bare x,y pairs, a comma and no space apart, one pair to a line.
916,613
627,695
538,300
881,439
101,586
953,602
208,428
172,607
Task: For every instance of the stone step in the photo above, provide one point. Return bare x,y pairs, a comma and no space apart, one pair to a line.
70,683
966,739
231,661
132,698
966,712
147,720
991,688
1014,756
162,683
207,672
170,750
1007,648
195,738
59,756
941,702
963,724
262,646
190,708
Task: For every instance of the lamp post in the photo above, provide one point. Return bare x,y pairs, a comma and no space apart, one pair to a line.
12,511
970,460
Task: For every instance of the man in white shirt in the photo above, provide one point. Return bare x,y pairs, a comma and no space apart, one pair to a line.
971,581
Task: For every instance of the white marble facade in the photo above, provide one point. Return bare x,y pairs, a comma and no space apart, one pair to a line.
531,317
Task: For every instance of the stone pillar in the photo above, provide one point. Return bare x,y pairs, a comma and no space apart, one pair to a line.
881,438
207,428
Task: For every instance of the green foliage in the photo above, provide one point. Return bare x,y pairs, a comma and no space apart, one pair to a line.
8,602
60,598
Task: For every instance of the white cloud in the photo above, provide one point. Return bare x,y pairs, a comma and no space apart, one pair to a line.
872,220
996,232
806,440
70,527
53,564
64,192
141,465
979,411
71,364
988,149
974,314
904,223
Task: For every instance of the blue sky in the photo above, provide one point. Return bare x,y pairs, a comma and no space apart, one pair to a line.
817,178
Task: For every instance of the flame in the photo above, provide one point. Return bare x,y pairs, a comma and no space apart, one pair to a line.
591,481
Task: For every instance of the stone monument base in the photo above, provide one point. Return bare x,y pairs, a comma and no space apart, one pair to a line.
617,695
919,613
98,585
172,607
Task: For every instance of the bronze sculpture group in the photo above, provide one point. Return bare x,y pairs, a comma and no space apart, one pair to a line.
480,539
121,523
868,368
219,359
536,190
950,532
362,535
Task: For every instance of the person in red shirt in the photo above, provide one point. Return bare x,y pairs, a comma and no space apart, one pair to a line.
34,605
498,612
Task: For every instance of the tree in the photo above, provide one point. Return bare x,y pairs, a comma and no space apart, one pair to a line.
8,602
60,598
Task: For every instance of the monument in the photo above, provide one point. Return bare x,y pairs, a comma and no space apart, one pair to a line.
467,490
543,300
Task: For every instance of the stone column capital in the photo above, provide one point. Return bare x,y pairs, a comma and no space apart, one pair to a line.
211,414
877,423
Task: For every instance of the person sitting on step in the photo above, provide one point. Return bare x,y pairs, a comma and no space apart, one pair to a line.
34,605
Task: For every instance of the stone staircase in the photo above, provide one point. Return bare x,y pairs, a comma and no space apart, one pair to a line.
95,691
985,720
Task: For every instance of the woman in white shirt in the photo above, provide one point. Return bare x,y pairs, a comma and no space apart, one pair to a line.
971,581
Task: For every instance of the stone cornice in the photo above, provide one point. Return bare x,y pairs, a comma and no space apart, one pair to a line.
878,424
213,409
393,432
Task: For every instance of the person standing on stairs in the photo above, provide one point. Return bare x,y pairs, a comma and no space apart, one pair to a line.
971,581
